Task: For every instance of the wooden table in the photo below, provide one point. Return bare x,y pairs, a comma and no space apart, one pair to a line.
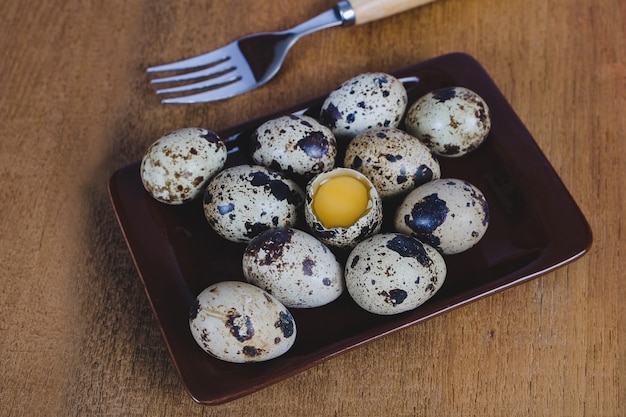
77,336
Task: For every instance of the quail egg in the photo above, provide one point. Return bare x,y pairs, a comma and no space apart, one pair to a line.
393,160
294,267
451,215
391,273
451,121
242,201
177,166
294,144
239,322
368,100
342,207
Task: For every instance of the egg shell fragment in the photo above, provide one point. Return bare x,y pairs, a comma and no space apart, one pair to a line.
177,166
239,322
449,214
451,121
393,160
294,267
242,201
344,237
295,145
391,273
368,100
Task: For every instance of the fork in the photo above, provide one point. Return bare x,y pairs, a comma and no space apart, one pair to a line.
253,60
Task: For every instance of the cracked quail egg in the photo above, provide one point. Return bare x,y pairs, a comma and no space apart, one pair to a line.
239,322
177,166
451,121
393,160
294,267
294,144
342,207
390,273
242,201
449,214
368,100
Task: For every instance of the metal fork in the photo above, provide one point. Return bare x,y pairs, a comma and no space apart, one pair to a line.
253,60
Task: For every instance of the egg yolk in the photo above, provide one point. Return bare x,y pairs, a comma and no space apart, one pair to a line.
340,201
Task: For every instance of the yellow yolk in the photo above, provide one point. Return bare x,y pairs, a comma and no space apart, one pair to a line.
340,201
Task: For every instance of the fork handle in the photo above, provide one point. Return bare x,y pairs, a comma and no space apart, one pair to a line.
369,10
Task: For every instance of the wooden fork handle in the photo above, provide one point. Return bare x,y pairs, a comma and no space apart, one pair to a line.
369,10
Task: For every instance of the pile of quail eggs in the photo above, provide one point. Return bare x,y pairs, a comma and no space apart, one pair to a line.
297,207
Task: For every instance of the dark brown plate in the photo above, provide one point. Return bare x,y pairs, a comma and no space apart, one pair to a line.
535,228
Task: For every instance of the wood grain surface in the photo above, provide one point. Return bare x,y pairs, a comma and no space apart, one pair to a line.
77,336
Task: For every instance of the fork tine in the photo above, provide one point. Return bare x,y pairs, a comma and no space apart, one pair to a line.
227,91
213,57
213,71
225,78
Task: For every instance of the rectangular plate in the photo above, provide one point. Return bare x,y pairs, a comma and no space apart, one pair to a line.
535,228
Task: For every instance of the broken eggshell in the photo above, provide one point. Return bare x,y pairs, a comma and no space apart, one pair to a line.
368,222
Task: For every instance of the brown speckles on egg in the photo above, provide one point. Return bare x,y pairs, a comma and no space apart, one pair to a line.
394,297
391,273
198,181
393,160
271,245
251,351
285,323
176,167
238,322
330,115
240,326
449,214
363,102
294,267
307,266
451,121
212,137
294,144
243,201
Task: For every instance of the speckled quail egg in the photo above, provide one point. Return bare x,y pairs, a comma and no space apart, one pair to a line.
390,273
342,207
294,144
449,214
451,121
393,160
242,201
368,100
239,322
177,166
294,267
